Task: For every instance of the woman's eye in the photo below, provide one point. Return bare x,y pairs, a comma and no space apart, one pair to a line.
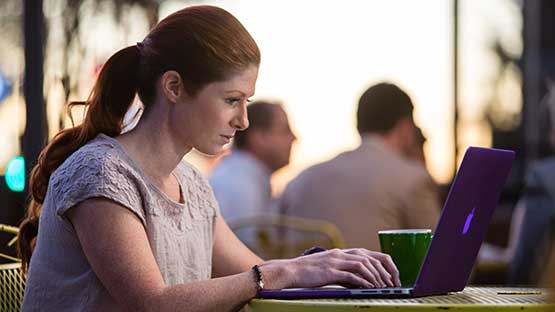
233,101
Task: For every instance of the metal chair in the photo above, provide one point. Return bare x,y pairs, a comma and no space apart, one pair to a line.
282,236
12,285
12,282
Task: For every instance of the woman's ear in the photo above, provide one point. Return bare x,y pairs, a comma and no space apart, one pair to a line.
172,85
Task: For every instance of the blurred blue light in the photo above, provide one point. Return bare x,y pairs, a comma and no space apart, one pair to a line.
15,174
5,87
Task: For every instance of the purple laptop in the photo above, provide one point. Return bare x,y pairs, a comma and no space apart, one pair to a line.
459,234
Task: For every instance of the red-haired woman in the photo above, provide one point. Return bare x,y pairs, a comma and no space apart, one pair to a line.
125,224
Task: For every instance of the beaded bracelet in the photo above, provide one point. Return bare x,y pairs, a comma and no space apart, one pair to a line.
258,278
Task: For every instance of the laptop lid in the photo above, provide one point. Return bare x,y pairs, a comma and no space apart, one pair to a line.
464,221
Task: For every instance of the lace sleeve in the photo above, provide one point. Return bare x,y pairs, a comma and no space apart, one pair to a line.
92,175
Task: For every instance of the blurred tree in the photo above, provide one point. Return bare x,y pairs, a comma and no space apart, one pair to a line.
506,125
11,13
73,13
36,126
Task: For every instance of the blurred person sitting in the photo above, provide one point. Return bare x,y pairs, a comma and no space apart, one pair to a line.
376,186
241,180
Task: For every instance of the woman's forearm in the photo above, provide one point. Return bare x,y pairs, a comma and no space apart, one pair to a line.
228,293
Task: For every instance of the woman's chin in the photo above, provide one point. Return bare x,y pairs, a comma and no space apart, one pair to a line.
210,150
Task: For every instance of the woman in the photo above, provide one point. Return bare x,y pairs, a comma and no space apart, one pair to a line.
125,224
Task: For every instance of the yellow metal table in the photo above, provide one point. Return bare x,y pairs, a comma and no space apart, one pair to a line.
471,299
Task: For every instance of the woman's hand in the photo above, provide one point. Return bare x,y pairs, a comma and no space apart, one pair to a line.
356,267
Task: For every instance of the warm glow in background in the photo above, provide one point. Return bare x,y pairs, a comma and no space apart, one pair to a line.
319,56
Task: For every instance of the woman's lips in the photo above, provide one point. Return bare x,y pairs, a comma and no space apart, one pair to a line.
227,138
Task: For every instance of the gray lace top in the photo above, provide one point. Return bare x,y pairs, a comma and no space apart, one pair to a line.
180,235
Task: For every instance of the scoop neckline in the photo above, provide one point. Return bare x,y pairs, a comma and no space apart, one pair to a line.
146,178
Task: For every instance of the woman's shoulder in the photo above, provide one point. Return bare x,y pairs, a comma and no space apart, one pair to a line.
99,154
97,169
99,159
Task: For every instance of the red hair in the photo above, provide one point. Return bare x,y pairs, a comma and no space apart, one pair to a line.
203,44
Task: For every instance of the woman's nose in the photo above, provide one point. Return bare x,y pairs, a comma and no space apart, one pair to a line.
241,121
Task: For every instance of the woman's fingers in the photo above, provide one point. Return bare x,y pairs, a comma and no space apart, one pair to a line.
357,267
363,265
382,264
383,279
389,265
347,278
386,277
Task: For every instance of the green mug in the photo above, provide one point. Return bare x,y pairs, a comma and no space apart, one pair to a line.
407,248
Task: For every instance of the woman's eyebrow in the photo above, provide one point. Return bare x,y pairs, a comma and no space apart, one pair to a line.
235,91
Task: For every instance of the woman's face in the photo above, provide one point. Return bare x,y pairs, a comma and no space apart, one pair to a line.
209,120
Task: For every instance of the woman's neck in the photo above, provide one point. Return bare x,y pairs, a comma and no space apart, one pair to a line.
151,145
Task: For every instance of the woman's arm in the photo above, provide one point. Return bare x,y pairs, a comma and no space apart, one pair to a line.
116,245
230,255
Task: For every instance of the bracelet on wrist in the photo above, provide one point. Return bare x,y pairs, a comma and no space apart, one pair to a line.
258,279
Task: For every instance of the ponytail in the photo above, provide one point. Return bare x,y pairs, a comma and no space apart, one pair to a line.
112,94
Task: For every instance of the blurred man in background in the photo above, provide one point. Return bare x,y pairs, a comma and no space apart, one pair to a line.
241,180
377,186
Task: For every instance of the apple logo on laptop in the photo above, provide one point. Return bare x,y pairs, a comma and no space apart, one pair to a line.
468,221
